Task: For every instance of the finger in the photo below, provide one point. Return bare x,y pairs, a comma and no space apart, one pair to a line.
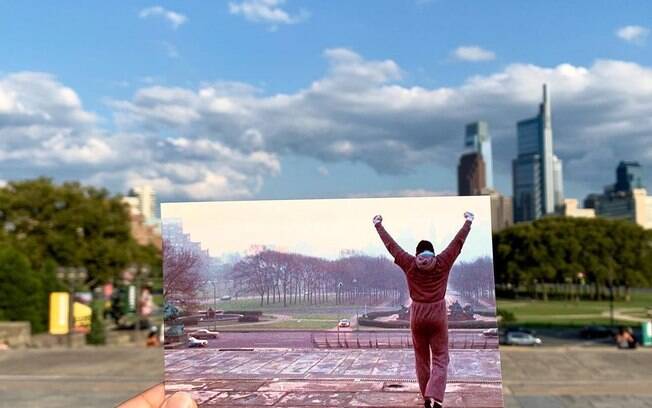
151,398
179,400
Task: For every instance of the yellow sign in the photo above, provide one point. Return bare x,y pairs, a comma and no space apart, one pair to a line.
82,314
59,313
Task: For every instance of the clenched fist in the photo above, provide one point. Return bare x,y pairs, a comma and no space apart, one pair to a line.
378,219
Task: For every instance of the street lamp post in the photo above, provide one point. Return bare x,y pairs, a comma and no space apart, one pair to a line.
214,304
141,272
71,276
611,296
355,301
611,304
339,291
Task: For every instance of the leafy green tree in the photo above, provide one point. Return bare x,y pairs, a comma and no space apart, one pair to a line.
70,225
556,251
21,290
66,225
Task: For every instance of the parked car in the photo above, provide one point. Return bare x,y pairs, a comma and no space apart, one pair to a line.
596,332
515,338
490,333
205,334
344,323
193,342
225,297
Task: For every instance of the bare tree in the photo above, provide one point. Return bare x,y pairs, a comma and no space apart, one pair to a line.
182,269
295,278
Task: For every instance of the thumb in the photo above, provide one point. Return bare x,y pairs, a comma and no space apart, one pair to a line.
179,400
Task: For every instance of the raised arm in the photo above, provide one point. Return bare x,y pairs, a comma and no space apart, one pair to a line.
452,251
400,256
391,245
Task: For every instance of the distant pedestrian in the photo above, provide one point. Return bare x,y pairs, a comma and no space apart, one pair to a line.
625,338
152,338
427,278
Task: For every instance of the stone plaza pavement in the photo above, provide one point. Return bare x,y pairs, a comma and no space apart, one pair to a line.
546,377
576,377
327,378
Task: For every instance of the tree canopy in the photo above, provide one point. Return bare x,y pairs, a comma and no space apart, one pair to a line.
70,225
43,226
600,252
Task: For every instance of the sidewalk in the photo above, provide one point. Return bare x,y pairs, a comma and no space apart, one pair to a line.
596,377
564,377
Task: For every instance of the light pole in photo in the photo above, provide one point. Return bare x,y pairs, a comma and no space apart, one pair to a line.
339,296
355,301
214,284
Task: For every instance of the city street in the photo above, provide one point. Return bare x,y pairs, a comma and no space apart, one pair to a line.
458,338
545,377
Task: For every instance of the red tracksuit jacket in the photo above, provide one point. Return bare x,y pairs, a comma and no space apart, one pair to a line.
426,286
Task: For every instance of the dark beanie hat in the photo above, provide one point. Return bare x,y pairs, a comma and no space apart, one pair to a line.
424,246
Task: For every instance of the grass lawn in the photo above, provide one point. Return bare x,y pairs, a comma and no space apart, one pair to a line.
321,316
302,316
286,324
572,313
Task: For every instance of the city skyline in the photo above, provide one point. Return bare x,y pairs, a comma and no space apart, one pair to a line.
213,102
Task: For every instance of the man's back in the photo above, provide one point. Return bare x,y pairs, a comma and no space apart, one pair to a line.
426,285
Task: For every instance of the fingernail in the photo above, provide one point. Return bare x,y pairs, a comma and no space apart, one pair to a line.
180,400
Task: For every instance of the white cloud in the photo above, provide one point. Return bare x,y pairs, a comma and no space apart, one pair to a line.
225,139
203,169
323,171
43,124
633,34
44,130
473,53
358,112
267,11
174,18
419,192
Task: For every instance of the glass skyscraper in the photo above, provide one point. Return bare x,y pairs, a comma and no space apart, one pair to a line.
537,172
477,138
629,175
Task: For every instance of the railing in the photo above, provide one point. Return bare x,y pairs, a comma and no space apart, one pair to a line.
380,340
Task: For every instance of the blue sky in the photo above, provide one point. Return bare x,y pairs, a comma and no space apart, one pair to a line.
274,99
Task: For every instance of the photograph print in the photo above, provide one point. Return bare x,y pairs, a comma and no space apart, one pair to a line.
347,299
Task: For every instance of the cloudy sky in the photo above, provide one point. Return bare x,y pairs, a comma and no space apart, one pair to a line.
275,99
324,228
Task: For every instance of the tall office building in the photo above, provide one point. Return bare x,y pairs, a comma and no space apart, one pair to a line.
537,173
502,214
629,175
142,200
476,138
471,174
626,199
558,184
